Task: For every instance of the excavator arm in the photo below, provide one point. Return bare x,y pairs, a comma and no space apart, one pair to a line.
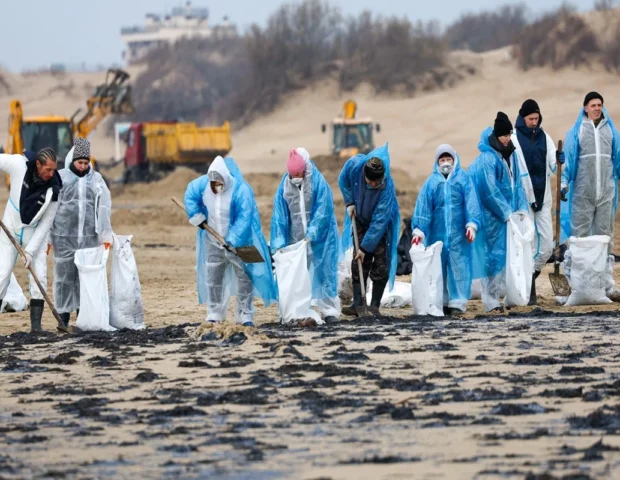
112,97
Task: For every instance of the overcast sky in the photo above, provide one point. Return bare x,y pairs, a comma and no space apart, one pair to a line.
37,33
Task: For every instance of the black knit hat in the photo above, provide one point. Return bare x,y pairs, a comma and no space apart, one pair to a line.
591,96
529,106
374,169
81,149
502,125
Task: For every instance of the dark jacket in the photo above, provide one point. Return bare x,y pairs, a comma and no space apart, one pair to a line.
533,142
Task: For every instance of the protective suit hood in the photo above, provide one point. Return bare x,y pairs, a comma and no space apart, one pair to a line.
445,148
218,171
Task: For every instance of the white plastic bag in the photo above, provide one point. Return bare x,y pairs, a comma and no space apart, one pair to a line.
126,310
14,300
294,284
398,297
519,260
427,280
94,301
588,270
345,281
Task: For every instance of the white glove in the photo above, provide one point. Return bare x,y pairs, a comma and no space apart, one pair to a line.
27,259
360,255
351,211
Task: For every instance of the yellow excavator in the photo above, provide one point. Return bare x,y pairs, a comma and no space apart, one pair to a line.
35,133
351,135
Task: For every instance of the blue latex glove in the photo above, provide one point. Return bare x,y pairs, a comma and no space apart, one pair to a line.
560,157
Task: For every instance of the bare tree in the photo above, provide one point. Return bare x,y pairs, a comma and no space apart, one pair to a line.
488,30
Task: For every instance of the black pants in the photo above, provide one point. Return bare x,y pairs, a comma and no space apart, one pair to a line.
374,264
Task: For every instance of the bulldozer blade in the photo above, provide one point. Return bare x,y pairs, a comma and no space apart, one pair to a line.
559,284
249,255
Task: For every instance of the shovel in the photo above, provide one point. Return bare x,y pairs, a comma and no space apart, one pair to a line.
61,326
363,310
559,282
246,254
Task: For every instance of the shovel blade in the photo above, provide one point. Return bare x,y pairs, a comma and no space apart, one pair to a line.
71,329
559,284
365,311
250,255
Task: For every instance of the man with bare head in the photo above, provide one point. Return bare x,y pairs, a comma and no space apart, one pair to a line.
590,179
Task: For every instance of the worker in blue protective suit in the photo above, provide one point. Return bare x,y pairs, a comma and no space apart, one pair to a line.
497,179
447,211
303,209
591,174
223,200
370,197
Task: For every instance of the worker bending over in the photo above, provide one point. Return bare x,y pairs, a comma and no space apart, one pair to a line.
33,201
224,201
303,209
370,197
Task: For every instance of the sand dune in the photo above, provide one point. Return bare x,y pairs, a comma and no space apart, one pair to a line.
415,126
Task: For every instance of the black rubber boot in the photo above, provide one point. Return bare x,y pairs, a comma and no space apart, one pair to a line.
357,301
65,317
36,312
447,311
377,294
330,320
533,298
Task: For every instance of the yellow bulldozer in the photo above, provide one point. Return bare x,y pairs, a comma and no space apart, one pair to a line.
351,135
35,133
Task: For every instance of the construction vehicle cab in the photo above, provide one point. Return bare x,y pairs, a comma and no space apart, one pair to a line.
351,135
35,133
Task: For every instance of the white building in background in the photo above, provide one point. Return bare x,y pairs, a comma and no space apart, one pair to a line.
186,21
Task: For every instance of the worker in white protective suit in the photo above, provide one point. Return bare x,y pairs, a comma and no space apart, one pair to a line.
223,200
303,209
537,157
33,201
590,178
82,221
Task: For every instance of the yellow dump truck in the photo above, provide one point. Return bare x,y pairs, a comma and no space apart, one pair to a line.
156,148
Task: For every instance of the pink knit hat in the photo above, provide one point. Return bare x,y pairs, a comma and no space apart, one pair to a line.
295,164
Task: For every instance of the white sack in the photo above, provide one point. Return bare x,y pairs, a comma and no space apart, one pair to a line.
126,309
588,271
294,283
427,280
345,281
519,261
94,302
14,300
398,297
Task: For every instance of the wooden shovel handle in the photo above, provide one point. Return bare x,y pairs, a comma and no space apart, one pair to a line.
217,236
359,262
558,201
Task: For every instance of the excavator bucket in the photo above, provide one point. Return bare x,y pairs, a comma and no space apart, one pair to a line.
111,97
116,92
